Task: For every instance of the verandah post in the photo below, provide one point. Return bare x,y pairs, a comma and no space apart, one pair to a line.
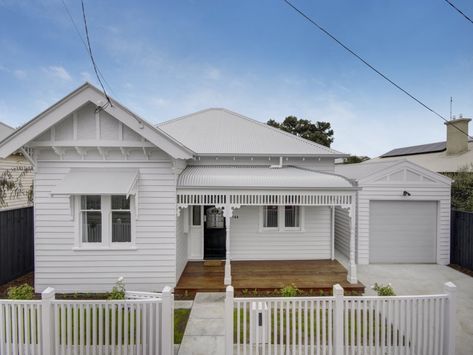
338,320
229,321
167,321
47,320
451,318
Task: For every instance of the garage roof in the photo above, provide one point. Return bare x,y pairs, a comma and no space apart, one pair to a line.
259,177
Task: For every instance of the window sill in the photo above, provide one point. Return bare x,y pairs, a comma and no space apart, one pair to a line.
104,248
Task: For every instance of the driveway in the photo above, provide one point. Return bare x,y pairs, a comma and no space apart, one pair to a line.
408,279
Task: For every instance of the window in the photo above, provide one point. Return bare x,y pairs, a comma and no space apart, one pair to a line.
105,221
270,217
281,218
91,215
196,216
121,219
291,216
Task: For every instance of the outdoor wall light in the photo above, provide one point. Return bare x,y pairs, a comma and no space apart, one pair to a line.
406,193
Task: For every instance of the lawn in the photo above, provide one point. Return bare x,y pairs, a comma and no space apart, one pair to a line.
181,316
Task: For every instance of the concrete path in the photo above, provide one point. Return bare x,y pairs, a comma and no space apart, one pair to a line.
205,329
409,279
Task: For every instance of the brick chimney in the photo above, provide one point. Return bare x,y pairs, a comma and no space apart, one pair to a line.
457,141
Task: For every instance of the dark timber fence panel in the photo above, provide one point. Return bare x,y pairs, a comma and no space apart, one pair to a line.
462,239
16,243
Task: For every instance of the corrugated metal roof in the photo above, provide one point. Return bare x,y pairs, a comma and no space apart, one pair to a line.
416,149
218,131
258,177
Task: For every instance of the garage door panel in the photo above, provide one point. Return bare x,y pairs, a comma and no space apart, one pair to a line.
403,231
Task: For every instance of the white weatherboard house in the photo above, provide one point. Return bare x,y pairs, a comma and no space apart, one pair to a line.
116,196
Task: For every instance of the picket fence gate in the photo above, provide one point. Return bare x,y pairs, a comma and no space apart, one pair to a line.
141,324
339,325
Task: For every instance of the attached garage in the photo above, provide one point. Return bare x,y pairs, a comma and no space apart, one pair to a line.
403,231
403,213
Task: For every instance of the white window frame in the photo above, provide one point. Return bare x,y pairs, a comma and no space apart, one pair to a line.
282,221
106,209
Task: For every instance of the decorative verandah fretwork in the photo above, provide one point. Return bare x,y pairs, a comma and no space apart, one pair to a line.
228,201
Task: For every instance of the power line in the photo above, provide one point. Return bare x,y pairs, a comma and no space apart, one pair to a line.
91,54
459,11
79,34
313,22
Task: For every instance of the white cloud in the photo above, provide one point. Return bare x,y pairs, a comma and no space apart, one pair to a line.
58,72
20,74
85,76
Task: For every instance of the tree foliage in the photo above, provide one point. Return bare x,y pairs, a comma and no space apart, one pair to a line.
353,159
319,132
462,188
11,184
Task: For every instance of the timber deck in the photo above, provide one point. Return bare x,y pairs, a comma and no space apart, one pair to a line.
311,276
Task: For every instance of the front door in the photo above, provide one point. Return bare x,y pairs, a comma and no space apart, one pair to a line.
214,233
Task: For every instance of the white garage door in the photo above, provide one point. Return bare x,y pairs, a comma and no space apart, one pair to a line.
403,231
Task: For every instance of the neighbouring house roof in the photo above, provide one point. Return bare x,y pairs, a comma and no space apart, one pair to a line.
76,99
438,161
416,149
97,182
366,170
5,131
218,131
259,177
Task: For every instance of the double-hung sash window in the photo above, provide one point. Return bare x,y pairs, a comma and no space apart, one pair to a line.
105,221
270,217
91,217
282,218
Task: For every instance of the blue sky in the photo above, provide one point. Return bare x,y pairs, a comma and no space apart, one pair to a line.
164,59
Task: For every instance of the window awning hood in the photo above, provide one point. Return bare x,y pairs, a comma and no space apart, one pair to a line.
97,182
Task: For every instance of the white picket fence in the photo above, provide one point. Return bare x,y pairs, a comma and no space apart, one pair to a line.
142,324
339,325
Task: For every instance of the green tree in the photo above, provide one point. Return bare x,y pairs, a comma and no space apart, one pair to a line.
353,159
462,188
318,132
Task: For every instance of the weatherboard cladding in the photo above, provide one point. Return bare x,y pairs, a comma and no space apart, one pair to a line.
258,177
219,131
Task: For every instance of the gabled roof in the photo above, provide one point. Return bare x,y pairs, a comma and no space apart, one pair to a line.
365,172
260,177
76,99
218,131
5,130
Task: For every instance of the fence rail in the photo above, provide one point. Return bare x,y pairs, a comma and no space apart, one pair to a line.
142,324
461,245
341,325
16,243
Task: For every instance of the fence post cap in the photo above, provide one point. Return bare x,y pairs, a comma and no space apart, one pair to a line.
48,293
167,290
337,289
450,287
229,288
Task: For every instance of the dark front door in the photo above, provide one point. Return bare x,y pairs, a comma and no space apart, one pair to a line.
214,233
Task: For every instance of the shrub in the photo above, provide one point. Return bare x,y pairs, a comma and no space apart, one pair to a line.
290,291
118,291
22,292
383,290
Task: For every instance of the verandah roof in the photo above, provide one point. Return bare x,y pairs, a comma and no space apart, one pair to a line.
258,177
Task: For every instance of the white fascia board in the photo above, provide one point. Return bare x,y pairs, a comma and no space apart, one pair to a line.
84,94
